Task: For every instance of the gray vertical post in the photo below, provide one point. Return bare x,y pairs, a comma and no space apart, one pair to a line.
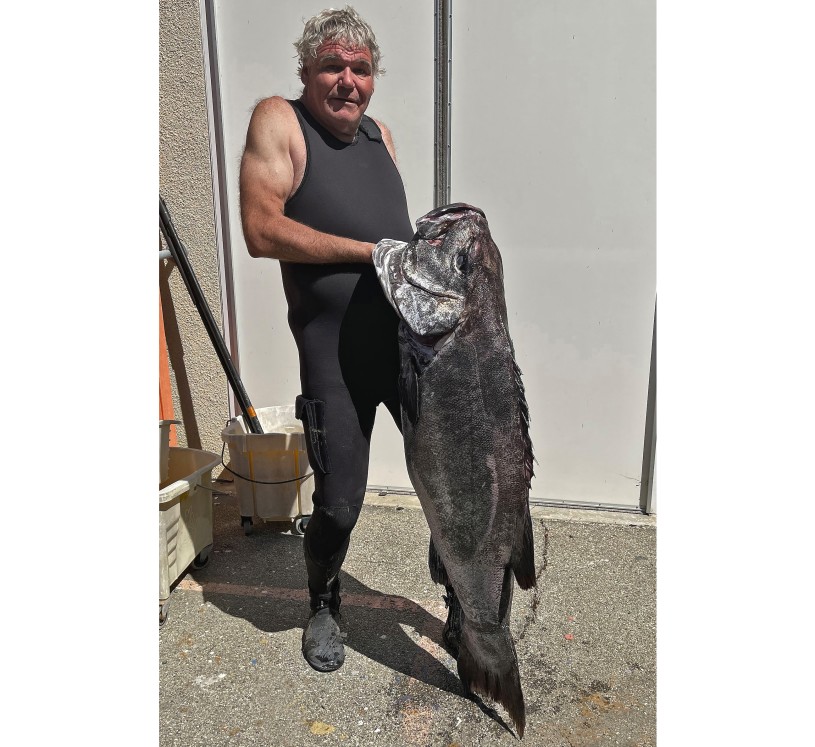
218,160
441,110
649,451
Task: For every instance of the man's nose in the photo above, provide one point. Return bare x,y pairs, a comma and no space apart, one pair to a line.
346,78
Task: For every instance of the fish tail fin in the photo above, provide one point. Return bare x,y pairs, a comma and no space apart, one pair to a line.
523,560
487,664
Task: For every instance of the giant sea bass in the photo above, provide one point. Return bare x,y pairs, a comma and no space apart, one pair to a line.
465,424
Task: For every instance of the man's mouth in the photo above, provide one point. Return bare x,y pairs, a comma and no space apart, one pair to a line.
344,100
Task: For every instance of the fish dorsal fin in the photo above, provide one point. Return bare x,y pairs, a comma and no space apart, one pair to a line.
529,457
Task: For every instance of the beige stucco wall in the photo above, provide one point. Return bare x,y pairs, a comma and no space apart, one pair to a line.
200,388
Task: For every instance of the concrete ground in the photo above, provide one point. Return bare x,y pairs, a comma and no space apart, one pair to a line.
231,672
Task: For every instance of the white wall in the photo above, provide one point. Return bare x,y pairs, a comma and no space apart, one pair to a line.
554,138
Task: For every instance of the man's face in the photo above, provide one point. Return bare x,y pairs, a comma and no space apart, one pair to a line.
338,87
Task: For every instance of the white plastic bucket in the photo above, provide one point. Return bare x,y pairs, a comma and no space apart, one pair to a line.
278,455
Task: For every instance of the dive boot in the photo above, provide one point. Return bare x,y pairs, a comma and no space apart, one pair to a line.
451,634
322,640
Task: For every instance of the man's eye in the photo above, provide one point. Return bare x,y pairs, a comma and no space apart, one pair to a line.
462,262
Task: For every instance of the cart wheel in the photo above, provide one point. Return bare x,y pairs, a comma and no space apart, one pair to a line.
300,524
201,560
246,523
163,611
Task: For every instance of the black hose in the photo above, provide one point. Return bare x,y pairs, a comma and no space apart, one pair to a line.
179,254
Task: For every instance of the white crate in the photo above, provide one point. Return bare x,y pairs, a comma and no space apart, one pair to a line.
184,516
277,454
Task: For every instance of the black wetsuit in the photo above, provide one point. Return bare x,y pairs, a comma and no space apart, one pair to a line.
345,330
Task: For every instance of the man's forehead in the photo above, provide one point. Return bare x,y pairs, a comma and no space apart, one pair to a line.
343,50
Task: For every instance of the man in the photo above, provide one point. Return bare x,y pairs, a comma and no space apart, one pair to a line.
319,188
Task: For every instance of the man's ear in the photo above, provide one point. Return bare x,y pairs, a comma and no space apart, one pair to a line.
303,76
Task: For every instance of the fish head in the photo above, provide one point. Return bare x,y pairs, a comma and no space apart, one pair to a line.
444,273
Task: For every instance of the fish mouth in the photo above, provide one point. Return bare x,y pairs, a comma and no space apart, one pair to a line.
410,274
390,258
394,272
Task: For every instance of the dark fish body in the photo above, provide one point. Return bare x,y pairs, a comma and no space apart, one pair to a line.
465,427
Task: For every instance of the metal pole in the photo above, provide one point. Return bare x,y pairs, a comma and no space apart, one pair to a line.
181,260
649,451
219,194
442,100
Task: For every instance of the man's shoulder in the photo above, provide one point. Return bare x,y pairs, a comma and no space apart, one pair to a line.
275,107
273,122
383,128
387,138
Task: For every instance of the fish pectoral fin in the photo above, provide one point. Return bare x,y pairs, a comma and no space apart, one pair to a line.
434,562
409,390
523,556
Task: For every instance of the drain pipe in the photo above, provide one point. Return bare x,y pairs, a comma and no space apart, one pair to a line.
441,105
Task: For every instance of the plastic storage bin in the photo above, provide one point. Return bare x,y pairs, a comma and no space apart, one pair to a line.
278,455
184,517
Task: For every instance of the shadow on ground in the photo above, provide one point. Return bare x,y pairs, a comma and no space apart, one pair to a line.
266,571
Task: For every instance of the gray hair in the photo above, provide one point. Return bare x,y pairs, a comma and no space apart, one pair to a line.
344,25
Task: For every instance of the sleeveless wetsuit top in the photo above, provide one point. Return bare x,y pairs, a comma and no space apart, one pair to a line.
352,190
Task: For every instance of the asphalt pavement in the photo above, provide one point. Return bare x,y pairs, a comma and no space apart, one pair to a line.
231,671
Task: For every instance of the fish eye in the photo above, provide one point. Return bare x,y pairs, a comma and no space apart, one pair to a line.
462,262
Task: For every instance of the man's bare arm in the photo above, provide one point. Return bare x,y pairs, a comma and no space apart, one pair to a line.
266,181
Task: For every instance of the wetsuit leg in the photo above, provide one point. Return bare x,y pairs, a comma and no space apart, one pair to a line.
338,440
338,436
349,364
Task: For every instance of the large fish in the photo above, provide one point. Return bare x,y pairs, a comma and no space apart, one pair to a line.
465,424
